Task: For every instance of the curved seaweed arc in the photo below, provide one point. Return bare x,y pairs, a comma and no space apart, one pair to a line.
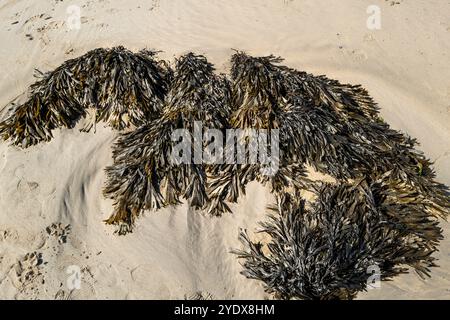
123,88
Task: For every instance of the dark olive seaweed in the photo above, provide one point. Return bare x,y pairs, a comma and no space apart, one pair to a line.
123,88
143,176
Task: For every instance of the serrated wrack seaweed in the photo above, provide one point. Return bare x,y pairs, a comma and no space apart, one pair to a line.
332,127
143,175
124,88
326,251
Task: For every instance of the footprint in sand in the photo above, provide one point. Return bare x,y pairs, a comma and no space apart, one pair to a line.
28,187
355,54
59,231
369,37
105,274
85,292
87,289
28,273
67,271
7,262
359,55
26,200
24,186
24,240
3,159
8,235
150,282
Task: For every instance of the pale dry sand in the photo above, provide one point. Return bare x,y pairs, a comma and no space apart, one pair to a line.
177,252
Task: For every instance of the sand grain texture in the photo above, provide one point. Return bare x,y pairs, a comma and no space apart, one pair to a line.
175,253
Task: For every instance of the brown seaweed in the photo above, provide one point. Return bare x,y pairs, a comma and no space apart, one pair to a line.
124,88
143,176
331,127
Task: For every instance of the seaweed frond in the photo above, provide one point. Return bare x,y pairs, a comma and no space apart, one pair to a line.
124,88
326,252
143,175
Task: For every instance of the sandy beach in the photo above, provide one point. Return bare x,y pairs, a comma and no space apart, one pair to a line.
51,203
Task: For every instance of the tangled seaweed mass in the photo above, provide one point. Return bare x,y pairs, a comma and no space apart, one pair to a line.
382,209
143,176
122,87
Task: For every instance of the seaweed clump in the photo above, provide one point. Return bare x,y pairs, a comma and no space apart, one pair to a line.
382,211
144,176
258,98
331,127
123,89
328,250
